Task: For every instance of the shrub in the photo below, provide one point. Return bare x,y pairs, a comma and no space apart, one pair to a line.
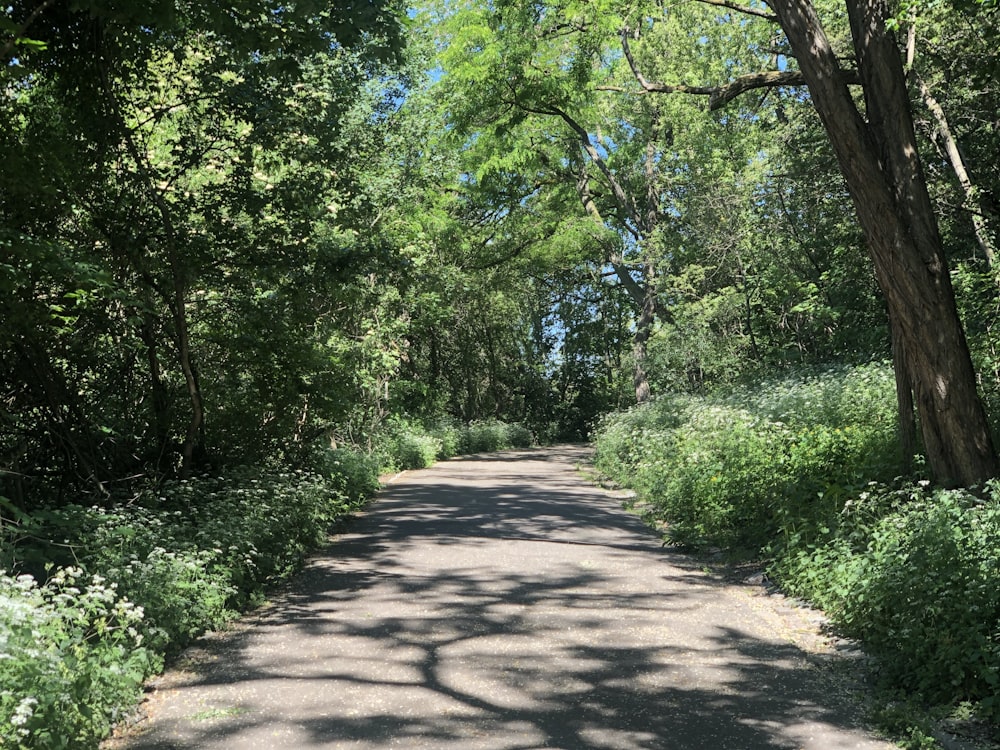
403,444
449,436
196,550
519,436
414,450
352,472
739,468
72,660
492,435
188,555
183,593
915,574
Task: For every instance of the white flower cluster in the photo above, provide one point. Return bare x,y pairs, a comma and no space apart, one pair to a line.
43,625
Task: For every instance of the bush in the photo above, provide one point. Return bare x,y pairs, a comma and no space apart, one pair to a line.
188,556
414,450
351,471
448,436
519,436
406,445
492,435
72,660
915,574
736,470
410,445
196,550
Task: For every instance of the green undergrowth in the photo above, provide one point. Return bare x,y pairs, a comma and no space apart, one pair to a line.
737,469
96,598
126,587
914,573
804,472
405,444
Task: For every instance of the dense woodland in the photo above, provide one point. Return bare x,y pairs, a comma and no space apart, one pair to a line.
257,250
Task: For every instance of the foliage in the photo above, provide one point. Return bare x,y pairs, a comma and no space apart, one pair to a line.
185,283
738,468
915,574
976,289
73,659
162,570
411,448
192,551
449,435
411,445
233,236
352,472
491,435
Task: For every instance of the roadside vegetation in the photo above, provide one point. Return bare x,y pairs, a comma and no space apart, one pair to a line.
252,255
128,585
803,473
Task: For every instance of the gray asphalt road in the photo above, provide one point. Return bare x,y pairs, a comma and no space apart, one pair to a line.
502,603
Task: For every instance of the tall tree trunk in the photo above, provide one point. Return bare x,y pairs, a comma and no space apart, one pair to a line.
645,216
973,200
195,424
904,398
643,330
884,177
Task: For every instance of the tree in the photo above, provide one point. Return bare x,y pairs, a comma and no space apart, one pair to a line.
878,156
956,86
880,162
493,265
182,227
518,87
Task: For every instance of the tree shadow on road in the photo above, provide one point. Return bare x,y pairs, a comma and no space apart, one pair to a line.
487,614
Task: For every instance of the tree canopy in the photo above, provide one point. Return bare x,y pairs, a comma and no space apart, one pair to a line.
253,255
233,232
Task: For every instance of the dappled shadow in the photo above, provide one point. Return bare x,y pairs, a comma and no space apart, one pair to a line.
469,609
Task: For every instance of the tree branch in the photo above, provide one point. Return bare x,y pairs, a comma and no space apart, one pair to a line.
969,190
19,33
632,287
767,79
742,9
622,198
653,88
719,96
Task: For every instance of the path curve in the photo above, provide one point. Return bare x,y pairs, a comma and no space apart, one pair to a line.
500,602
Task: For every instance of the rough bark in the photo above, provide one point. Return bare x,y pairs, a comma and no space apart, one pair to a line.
879,161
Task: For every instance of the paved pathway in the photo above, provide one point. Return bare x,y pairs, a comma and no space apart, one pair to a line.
502,603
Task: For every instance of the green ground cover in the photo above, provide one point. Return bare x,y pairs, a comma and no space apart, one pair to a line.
805,472
95,599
